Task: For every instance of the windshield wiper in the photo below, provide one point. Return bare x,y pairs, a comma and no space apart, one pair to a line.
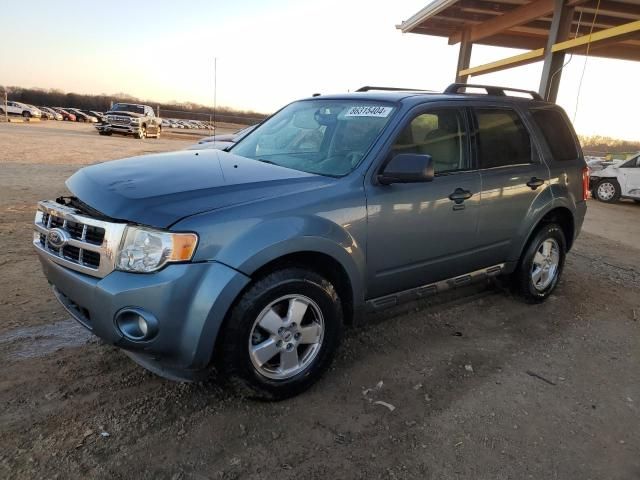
267,161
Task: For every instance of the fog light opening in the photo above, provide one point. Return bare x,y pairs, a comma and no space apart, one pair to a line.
136,324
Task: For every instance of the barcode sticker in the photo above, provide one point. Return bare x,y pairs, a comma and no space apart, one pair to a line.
368,111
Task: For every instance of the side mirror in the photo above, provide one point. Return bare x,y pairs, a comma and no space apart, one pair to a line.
407,168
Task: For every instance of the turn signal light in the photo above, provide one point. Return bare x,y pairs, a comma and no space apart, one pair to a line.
585,183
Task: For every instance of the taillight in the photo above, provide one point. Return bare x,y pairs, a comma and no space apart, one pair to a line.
585,183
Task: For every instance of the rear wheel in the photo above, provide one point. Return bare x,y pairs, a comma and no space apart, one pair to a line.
158,132
282,334
541,264
26,114
608,190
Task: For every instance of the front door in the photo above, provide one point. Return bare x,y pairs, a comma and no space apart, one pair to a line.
417,234
630,178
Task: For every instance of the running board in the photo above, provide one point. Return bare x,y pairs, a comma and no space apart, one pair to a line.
424,291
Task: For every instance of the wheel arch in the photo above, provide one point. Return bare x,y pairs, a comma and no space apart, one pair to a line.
561,215
322,263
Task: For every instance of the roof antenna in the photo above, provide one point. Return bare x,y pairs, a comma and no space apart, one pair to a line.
215,85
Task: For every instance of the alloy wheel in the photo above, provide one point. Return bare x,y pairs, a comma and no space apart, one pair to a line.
545,264
286,337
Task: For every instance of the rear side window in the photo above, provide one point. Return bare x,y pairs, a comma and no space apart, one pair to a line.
557,133
502,138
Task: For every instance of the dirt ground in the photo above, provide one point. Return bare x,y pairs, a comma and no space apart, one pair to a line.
483,385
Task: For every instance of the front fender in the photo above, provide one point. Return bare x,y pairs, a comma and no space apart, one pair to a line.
251,243
277,238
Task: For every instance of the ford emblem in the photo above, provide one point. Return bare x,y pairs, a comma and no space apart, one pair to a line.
57,238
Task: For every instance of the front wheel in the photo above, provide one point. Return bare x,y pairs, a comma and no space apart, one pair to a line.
282,334
608,190
541,263
141,133
26,114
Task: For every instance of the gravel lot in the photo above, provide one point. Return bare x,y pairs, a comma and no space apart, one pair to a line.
484,386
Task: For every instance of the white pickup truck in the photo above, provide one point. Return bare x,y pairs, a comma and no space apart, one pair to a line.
611,181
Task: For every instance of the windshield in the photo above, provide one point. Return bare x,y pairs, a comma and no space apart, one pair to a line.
327,137
127,107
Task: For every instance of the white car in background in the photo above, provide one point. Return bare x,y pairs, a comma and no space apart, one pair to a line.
611,181
17,108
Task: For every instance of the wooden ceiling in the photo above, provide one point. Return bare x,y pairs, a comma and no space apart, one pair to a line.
525,24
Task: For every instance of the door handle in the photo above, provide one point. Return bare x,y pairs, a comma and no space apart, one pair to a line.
535,182
459,195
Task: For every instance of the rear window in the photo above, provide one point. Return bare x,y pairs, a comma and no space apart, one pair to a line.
557,134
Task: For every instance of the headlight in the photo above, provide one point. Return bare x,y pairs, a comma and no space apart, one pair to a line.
146,250
135,120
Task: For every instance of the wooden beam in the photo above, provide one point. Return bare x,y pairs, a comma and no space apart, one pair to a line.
514,18
597,37
512,40
464,57
628,11
510,62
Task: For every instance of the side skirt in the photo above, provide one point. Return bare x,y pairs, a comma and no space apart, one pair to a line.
388,301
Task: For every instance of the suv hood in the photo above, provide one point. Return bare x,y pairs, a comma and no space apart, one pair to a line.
158,190
125,114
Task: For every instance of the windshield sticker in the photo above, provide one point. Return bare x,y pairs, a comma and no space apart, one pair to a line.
368,111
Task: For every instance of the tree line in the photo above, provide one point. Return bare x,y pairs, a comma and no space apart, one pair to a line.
102,103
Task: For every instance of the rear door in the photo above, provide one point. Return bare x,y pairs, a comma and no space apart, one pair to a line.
514,177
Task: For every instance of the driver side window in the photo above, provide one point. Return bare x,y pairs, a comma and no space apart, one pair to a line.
439,133
633,163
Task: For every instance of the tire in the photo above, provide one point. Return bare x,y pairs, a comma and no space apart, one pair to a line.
311,342
26,114
608,190
142,133
530,278
159,132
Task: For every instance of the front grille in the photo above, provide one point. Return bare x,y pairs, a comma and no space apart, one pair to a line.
118,120
88,245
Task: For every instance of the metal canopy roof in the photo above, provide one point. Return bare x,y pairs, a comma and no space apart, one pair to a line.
525,24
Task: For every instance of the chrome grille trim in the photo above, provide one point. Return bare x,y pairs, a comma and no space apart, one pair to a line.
118,119
106,251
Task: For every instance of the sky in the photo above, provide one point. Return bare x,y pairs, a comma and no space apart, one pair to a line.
271,52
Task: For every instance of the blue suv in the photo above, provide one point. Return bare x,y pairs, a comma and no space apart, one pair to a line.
253,259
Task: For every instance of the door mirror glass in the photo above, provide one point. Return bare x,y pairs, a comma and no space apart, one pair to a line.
407,168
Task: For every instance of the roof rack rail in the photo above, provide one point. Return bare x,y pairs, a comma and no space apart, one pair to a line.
491,90
368,88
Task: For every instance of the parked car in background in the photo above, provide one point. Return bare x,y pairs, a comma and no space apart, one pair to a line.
23,109
83,117
612,180
252,260
98,116
220,142
66,115
56,115
46,115
131,119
